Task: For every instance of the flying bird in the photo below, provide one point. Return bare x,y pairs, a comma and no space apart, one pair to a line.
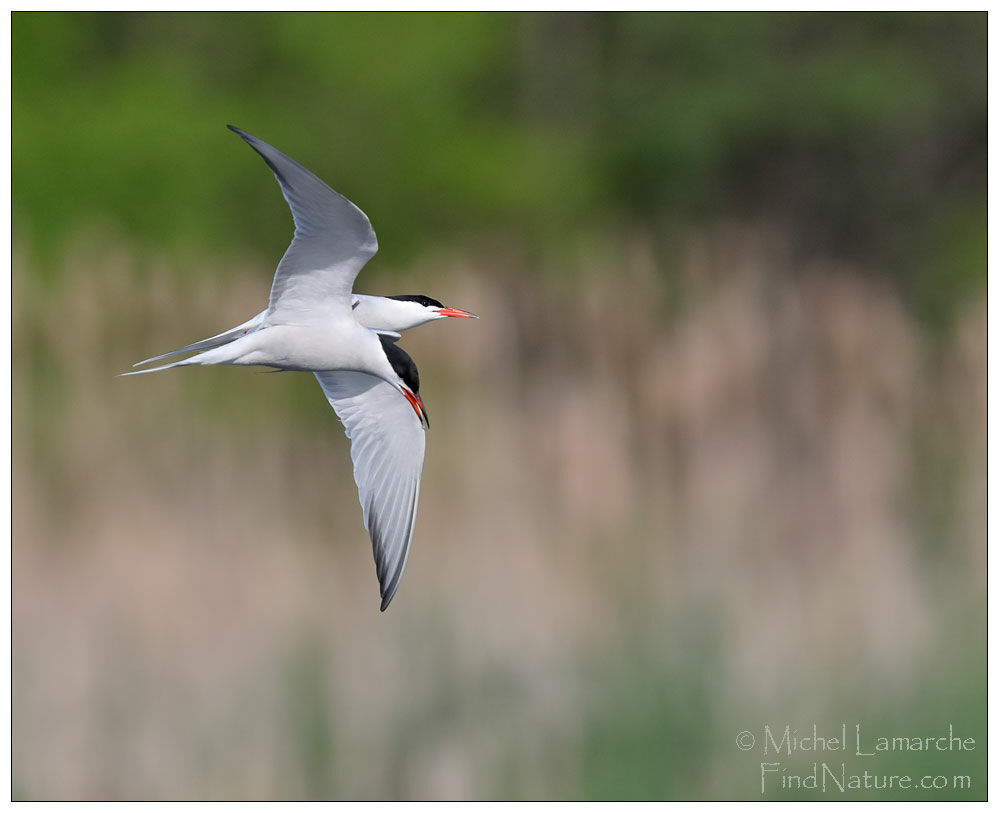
314,322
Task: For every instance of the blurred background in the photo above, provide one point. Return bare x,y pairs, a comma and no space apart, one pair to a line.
713,458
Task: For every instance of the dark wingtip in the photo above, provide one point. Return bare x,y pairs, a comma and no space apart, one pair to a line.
255,142
389,590
249,138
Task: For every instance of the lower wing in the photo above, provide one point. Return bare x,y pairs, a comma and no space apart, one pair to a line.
387,445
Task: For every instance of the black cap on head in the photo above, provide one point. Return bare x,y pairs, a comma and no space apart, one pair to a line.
426,301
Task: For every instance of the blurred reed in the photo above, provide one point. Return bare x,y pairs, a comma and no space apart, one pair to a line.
652,515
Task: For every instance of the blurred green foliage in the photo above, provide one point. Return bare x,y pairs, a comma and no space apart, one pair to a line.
864,134
633,753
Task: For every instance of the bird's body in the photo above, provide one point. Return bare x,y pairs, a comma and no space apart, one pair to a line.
388,315
315,323
333,344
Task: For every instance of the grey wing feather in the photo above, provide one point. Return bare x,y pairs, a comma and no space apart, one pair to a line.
333,239
387,445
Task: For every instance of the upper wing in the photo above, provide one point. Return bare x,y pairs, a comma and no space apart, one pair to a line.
387,443
333,239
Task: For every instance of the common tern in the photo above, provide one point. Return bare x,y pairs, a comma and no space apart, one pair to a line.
315,323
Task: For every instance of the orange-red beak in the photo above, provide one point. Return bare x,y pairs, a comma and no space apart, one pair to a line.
456,312
416,402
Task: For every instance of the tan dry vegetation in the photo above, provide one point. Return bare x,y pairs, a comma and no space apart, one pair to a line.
194,602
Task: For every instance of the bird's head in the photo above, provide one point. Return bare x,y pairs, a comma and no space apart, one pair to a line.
424,309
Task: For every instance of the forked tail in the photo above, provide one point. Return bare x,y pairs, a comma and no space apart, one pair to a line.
207,344
180,363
